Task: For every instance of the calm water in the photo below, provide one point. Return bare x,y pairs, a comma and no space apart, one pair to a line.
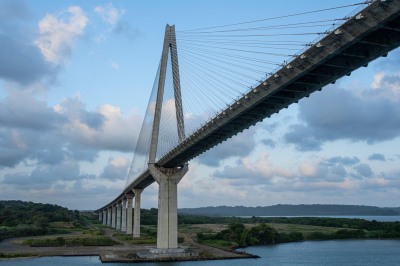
395,218
337,252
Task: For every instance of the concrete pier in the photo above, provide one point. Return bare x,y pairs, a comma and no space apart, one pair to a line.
129,215
109,216
136,217
167,228
104,217
114,216
119,211
123,215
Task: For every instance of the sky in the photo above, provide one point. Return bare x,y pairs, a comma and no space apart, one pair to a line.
75,79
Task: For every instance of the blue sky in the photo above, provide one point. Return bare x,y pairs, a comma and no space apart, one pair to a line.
75,79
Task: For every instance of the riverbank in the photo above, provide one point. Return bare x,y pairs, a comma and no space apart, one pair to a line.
198,241
123,252
306,253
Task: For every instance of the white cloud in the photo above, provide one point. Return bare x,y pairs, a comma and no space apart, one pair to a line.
58,33
109,13
377,80
107,128
387,85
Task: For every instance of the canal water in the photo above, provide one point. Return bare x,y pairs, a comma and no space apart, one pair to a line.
333,252
391,218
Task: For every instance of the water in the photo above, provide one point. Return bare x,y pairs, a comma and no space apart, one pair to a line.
395,218
335,252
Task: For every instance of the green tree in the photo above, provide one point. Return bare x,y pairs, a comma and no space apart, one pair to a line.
263,233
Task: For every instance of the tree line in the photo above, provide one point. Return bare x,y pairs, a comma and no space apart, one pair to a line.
19,218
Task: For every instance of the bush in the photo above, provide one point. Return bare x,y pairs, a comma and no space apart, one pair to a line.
348,234
291,237
319,236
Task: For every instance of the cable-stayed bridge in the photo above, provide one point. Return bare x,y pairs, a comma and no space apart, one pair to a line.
226,98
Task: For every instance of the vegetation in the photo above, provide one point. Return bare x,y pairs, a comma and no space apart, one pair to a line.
18,218
240,235
69,241
148,235
14,213
392,228
148,217
92,234
16,255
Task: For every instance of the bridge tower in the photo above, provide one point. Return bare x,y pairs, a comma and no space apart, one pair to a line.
167,178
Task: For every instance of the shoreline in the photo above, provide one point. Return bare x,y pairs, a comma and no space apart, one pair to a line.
123,254
13,248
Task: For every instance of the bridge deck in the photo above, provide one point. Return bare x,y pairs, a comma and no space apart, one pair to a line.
370,34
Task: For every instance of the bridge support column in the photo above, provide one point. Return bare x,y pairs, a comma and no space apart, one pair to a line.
114,216
136,216
104,217
109,216
167,227
123,216
129,215
100,215
118,223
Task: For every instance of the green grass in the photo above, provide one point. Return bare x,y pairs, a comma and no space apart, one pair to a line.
70,241
67,225
144,239
94,232
16,255
219,243
306,230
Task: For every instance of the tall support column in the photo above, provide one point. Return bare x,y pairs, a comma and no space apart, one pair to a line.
177,84
136,216
160,95
104,217
129,215
100,215
123,216
167,227
114,216
118,223
109,221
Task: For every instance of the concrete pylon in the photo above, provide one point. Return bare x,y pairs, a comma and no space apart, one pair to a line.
167,228
100,216
104,217
123,216
129,214
167,178
118,223
136,216
114,216
109,216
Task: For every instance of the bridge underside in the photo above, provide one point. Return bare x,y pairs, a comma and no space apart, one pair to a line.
356,43
353,45
370,34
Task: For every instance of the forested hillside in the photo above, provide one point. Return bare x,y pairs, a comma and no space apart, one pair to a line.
13,213
19,218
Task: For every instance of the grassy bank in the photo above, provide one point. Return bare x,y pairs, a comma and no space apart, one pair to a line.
239,235
70,241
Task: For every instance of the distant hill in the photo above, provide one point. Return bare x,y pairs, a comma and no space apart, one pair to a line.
15,212
292,210
395,209
21,218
